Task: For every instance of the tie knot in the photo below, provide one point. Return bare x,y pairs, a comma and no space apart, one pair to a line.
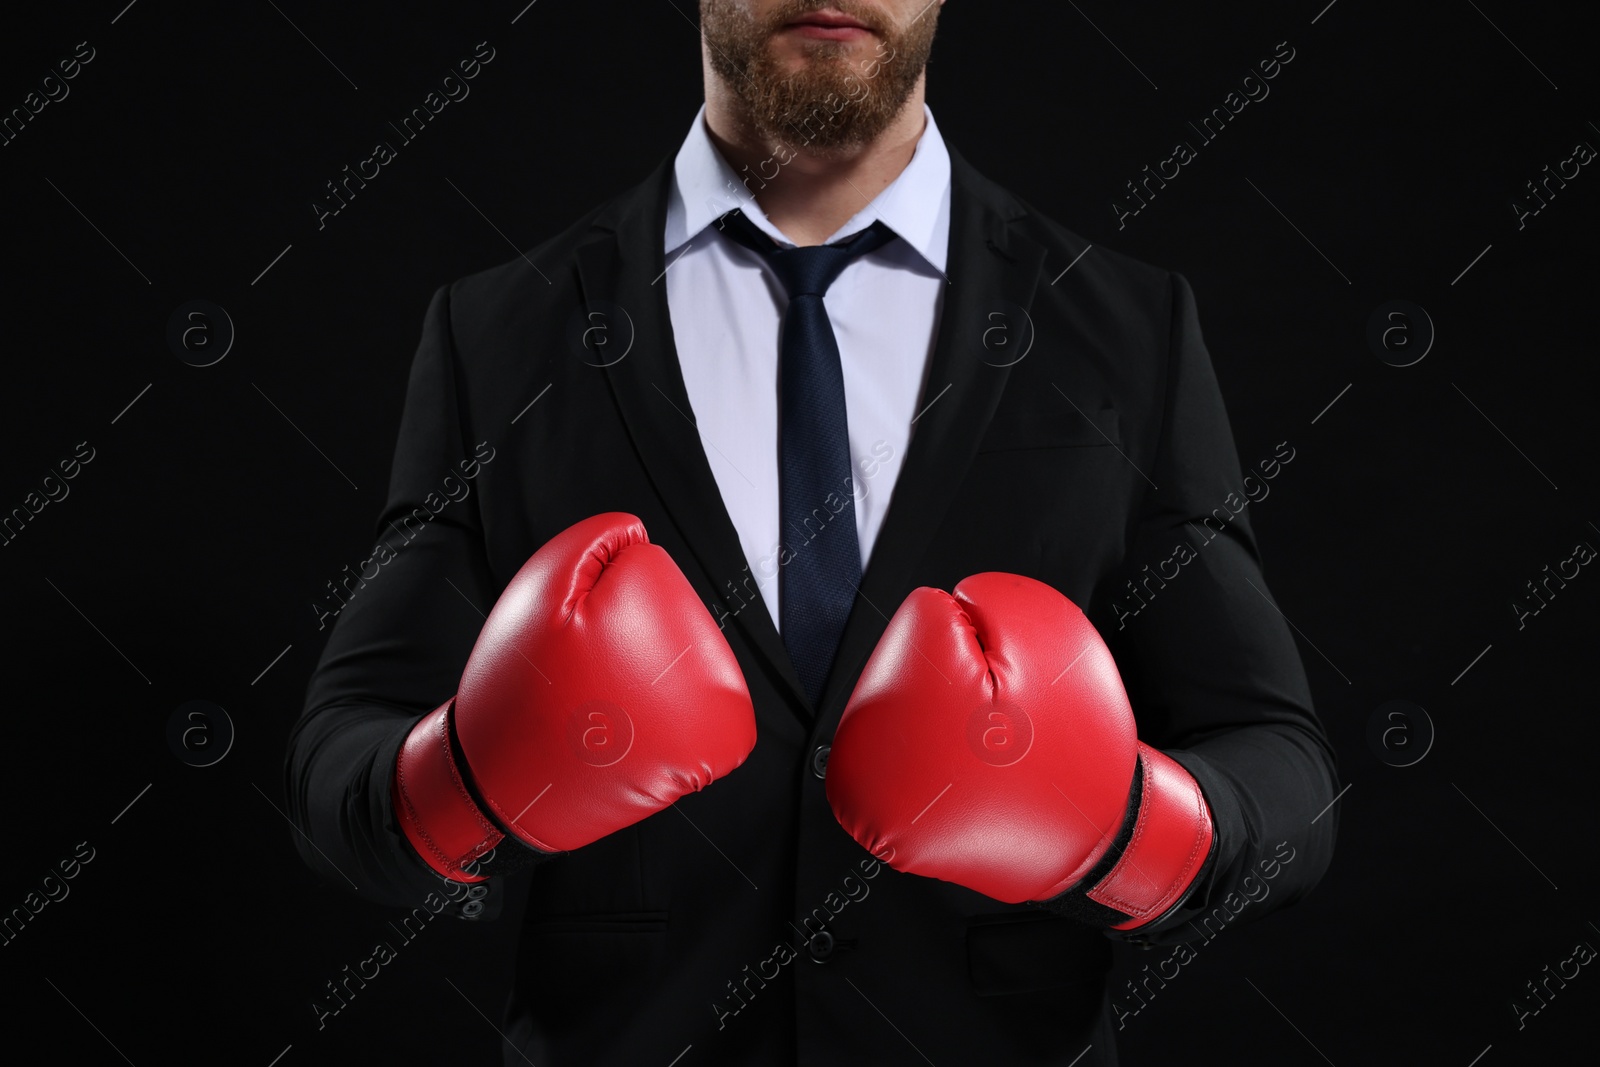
804,271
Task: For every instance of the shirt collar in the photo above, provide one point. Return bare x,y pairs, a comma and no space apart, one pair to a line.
705,186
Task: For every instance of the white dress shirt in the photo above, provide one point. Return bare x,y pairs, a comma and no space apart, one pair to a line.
727,306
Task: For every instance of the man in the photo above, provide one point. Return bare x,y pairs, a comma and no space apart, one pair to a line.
795,449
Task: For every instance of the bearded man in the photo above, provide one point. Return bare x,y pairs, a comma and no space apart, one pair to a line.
815,477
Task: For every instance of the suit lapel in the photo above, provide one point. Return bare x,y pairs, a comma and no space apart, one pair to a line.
993,272
621,276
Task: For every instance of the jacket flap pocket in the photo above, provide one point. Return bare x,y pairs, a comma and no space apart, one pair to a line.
1021,954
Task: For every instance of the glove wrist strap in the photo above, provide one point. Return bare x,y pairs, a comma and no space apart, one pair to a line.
433,805
1170,842
1157,855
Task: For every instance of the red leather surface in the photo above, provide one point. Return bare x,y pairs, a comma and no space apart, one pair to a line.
600,689
1171,837
988,741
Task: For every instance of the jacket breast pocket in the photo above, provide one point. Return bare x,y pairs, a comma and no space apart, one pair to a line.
1062,426
1048,495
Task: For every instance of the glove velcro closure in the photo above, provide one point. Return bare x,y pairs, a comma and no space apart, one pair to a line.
432,804
1159,850
443,814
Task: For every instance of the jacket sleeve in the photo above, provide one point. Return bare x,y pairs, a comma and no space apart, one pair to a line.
403,623
1210,664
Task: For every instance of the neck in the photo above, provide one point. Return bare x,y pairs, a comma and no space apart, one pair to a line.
815,191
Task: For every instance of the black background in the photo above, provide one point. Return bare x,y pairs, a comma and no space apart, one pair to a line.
186,158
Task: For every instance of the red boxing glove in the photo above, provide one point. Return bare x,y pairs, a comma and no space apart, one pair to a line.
989,743
599,692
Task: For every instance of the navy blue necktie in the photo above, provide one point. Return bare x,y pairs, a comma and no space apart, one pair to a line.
817,585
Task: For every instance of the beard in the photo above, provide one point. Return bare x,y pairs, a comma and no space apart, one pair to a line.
831,103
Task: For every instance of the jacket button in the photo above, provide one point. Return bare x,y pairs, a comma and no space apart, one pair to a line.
819,761
820,946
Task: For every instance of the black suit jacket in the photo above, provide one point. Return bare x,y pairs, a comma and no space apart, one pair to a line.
1073,432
